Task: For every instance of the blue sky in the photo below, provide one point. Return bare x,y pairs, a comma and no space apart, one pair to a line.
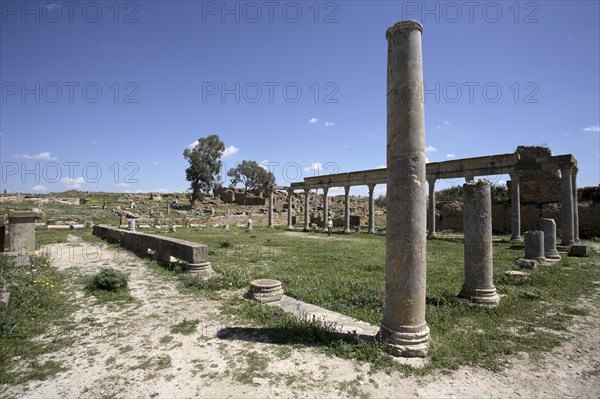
105,96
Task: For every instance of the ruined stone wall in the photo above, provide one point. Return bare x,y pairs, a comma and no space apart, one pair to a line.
449,217
537,187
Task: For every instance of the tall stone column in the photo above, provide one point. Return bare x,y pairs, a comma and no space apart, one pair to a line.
575,207
325,207
566,209
306,210
290,198
271,208
403,328
477,220
346,209
431,221
371,209
515,207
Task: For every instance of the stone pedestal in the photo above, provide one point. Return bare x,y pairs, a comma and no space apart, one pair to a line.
478,286
265,290
534,245
403,328
548,226
131,225
21,231
579,250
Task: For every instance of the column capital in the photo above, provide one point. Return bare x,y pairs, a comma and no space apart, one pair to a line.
431,180
403,26
371,186
515,176
567,167
306,191
347,189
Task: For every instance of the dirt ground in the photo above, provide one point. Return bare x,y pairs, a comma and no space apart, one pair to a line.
129,351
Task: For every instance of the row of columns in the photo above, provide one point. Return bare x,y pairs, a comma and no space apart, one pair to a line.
326,209
569,206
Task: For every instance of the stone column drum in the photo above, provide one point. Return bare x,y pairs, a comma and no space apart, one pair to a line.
371,209
403,328
1,234
21,231
534,245
478,286
548,226
306,210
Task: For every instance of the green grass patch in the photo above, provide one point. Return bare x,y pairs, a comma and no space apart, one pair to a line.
36,302
186,327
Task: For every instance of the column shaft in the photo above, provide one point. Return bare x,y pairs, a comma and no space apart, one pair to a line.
478,286
346,209
431,213
270,209
371,209
515,208
290,198
566,209
403,327
306,210
325,207
575,208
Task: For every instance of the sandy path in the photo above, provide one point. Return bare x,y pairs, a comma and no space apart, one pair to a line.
122,351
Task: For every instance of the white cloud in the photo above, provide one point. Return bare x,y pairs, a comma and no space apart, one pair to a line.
381,167
592,129
450,155
155,163
94,142
312,120
426,159
329,123
122,184
72,183
430,148
501,183
194,144
230,151
42,156
39,187
444,125
314,166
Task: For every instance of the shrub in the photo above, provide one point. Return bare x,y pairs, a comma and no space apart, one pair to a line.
109,279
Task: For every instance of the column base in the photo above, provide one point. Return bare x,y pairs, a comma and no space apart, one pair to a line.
482,296
562,248
347,231
516,239
290,227
431,235
203,269
552,254
409,341
371,231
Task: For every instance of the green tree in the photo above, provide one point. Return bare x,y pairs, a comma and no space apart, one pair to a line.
252,176
205,166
